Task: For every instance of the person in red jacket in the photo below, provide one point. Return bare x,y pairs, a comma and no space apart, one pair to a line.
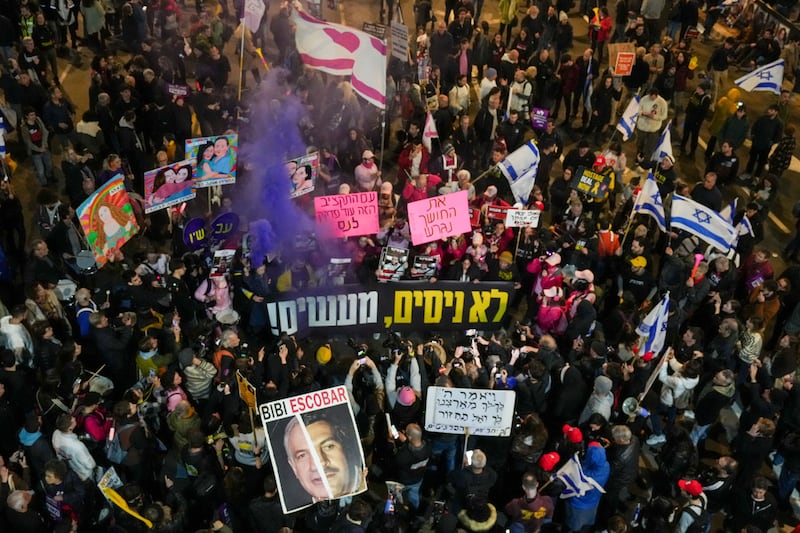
417,189
599,32
412,162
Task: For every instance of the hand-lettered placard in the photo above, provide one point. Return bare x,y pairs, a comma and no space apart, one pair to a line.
347,215
482,411
522,218
439,217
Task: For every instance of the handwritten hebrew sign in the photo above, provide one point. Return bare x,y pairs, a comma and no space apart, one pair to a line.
439,217
347,215
522,218
483,412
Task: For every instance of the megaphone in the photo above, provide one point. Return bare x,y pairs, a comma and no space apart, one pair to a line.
631,407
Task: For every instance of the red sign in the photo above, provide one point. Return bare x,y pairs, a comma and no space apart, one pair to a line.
624,64
475,218
497,212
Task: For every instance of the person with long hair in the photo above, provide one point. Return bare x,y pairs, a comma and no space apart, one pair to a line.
111,223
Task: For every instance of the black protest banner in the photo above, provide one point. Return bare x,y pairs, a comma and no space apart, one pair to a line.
400,306
591,183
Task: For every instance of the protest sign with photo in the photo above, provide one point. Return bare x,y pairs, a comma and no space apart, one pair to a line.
522,218
315,448
221,264
591,183
394,262
347,215
482,412
107,219
168,186
214,159
423,267
401,306
439,217
302,174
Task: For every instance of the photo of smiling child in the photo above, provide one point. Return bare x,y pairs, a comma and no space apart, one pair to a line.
168,186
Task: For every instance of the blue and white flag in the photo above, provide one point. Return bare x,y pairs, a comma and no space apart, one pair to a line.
649,202
575,481
729,211
627,124
2,136
519,168
654,327
766,78
703,222
744,227
664,146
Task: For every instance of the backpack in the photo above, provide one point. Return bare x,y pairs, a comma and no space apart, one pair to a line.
115,452
701,522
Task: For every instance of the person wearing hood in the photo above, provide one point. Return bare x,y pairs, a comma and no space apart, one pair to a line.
600,401
715,396
37,447
675,390
725,108
581,511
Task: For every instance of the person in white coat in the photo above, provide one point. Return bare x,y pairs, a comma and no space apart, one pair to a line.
676,390
71,449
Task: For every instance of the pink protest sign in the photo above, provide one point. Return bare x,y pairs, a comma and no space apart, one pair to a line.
439,217
347,215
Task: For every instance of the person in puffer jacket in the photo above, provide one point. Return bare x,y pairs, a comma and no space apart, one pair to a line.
582,510
675,393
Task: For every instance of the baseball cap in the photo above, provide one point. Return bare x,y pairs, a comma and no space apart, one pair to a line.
638,262
549,461
491,191
572,433
692,486
600,161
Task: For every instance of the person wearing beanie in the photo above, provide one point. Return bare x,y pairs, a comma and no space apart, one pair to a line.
198,375
600,401
479,516
488,82
405,409
503,267
581,511
531,510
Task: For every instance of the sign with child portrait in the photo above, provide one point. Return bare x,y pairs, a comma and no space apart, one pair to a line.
214,159
302,173
107,219
315,448
168,186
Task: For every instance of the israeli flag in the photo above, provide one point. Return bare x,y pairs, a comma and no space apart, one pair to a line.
575,481
654,327
649,202
703,222
664,146
2,136
767,78
627,124
588,89
519,168
729,211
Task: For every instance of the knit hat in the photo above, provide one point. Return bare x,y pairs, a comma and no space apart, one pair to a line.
549,461
185,357
572,433
406,396
491,73
692,486
506,257
602,385
324,354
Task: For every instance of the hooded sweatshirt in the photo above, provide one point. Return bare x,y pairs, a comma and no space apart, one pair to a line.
595,465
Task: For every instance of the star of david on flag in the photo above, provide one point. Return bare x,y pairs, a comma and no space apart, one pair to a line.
627,123
649,202
703,222
767,78
654,327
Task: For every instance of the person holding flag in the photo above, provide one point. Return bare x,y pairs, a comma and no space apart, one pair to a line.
650,202
584,484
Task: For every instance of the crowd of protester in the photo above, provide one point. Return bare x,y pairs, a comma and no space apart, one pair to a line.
133,368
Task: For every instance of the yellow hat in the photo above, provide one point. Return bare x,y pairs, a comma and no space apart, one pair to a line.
324,354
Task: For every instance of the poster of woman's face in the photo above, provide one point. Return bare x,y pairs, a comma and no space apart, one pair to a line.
302,173
214,159
107,220
168,186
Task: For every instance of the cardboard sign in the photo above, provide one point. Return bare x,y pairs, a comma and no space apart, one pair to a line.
214,159
374,29
394,262
539,118
497,212
399,41
107,219
310,433
439,217
522,218
247,392
475,218
591,183
424,267
614,50
482,412
347,215
302,173
168,186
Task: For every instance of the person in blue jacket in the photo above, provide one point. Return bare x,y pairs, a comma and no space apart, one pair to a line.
582,510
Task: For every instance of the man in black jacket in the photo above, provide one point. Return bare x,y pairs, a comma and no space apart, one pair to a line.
411,461
623,458
265,514
113,345
713,398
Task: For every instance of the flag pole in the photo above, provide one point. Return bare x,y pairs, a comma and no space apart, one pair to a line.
241,59
383,139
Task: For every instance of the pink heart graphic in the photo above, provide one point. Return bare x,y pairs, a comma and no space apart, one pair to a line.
346,40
